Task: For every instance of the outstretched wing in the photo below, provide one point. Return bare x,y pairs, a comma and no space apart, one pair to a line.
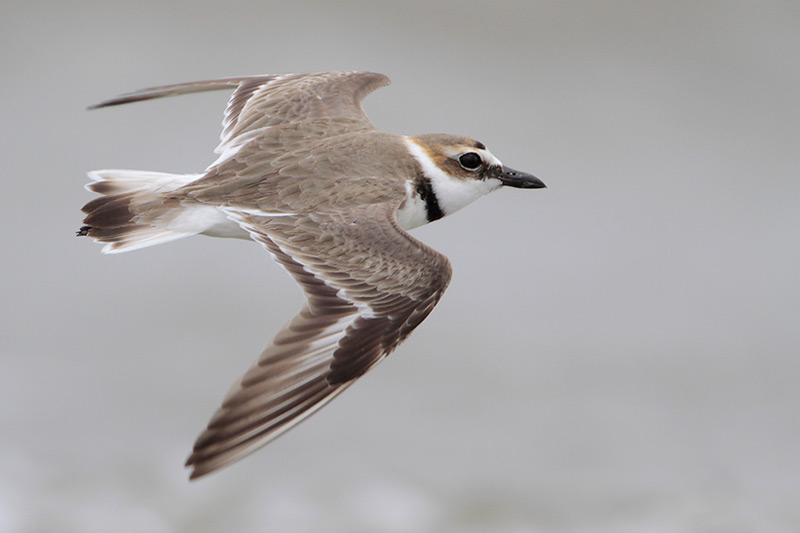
368,284
262,101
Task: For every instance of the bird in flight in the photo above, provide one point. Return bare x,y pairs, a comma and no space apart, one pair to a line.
303,172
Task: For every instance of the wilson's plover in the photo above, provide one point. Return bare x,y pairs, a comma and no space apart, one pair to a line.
302,171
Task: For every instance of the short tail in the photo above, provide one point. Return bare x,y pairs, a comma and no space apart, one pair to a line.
135,210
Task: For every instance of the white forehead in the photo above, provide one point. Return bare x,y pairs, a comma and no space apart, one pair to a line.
489,158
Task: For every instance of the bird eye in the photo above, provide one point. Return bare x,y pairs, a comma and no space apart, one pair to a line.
470,161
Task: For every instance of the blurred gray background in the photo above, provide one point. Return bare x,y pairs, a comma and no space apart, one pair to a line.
618,352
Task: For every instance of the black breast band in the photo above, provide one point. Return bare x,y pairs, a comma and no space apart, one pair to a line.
425,191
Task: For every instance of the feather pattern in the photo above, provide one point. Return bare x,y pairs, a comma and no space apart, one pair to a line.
358,310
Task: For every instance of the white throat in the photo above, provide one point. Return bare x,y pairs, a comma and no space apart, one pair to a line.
452,193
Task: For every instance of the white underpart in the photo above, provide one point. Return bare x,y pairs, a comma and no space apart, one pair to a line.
198,219
222,222
452,192
413,212
216,223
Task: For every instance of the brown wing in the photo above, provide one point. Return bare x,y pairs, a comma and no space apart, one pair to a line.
368,284
262,101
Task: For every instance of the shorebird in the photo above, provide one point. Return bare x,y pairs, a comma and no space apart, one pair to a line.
302,171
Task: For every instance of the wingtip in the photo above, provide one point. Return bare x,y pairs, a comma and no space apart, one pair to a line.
198,468
101,105
124,99
194,475
107,103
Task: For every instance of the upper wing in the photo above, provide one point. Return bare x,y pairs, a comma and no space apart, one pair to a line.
262,101
368,284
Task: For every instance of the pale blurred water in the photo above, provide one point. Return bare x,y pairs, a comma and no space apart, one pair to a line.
618,352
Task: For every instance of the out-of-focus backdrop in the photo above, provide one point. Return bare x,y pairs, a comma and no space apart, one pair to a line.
618,352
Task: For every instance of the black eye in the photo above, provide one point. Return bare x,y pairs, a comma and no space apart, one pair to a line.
470,161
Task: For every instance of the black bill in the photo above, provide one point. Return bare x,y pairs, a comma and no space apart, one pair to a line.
519,179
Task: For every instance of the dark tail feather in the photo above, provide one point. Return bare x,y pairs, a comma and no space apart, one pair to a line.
125,218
